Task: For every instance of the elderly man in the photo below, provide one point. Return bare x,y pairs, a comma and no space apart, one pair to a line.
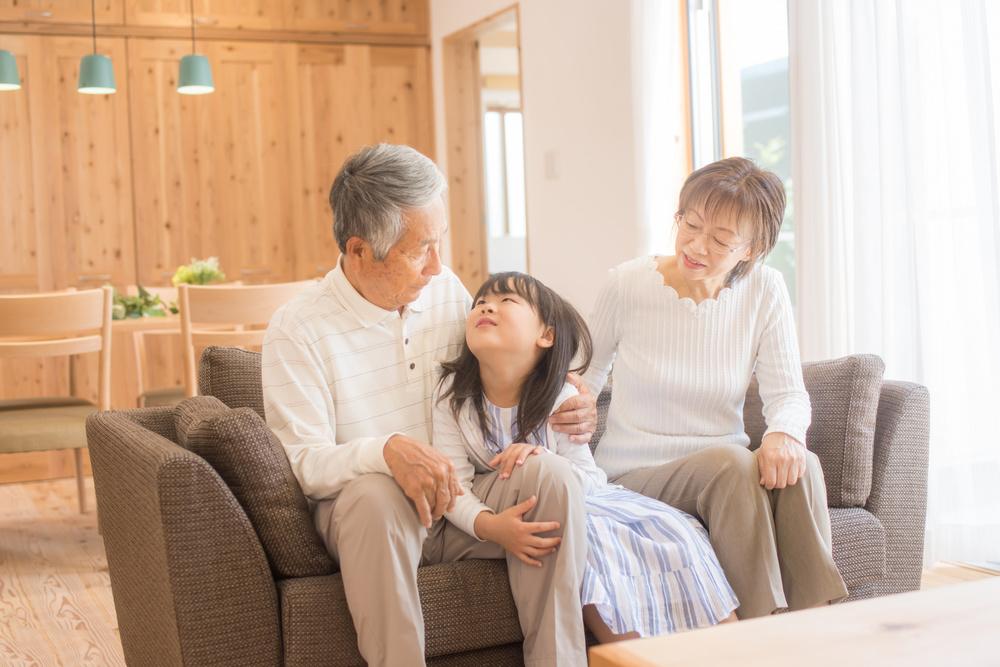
348,372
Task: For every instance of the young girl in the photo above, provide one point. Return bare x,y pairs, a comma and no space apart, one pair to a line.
650,568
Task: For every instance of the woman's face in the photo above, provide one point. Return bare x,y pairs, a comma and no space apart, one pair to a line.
505,324
709,249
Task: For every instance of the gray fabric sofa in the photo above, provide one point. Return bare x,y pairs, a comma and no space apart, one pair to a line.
194,583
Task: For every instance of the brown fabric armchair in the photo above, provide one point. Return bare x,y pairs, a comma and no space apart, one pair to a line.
193,585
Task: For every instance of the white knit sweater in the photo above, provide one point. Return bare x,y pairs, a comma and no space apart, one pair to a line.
681,369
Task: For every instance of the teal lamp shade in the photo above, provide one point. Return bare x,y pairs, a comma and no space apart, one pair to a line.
9,80
97,76
196,76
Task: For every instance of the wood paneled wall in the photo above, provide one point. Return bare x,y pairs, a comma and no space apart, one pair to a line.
123,188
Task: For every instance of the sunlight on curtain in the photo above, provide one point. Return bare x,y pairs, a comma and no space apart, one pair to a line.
896,138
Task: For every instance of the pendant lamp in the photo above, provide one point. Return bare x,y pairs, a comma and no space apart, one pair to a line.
97,76
196,72
9,79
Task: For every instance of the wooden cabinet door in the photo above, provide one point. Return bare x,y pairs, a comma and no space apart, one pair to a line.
25,265
62,11
401,102
249,14
86,191
374,16
213,172
332,108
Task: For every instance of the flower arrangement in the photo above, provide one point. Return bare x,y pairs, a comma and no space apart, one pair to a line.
199,272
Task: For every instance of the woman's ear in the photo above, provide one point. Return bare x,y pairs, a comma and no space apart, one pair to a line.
547,339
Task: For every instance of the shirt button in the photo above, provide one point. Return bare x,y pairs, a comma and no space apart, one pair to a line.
406,341
412,366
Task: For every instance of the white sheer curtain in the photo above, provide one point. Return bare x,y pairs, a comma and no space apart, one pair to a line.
896,139
659,121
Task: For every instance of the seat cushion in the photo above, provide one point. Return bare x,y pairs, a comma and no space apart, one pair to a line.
859,546
43,424
844,394
317,629
249,458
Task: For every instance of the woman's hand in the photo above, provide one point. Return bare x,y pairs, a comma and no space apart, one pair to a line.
514,455
577,416
517,536
781,460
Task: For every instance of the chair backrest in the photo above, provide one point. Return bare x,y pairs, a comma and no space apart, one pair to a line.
218,315
60,324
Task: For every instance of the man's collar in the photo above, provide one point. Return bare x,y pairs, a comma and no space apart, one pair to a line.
367,312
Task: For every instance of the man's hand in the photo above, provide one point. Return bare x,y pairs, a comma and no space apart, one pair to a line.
517,536
426,476
577,416
514,455
781,460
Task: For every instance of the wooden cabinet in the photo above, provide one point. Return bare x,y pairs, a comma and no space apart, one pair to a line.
212,171
62,11
374,16
390,17
246,14
333,108
65,191
348,97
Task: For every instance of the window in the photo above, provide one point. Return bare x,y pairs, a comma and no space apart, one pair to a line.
503,158
738,55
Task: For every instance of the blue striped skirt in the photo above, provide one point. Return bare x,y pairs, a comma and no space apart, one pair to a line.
650,567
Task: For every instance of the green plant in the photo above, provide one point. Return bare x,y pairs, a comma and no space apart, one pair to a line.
143,304
199,272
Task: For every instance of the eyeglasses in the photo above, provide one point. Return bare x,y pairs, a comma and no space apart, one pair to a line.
689,230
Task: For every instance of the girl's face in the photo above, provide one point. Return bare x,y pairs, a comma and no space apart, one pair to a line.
707,250
505,324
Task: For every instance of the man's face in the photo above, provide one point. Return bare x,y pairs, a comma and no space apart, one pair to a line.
410,264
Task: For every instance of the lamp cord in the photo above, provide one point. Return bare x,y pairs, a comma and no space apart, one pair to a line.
93,21
192,28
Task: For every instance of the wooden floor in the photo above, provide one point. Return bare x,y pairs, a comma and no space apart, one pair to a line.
55,596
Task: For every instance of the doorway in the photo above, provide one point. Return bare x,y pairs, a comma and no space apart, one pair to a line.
485,144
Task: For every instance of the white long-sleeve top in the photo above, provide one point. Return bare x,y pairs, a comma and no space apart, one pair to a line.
342,375
463,442
681,369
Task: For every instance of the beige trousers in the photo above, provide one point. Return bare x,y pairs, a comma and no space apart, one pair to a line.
774,546
372,529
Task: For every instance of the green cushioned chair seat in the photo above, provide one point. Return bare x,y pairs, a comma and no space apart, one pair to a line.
155,398
42,402
42,426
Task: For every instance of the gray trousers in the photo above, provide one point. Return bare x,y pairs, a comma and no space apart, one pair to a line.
774,546
372,530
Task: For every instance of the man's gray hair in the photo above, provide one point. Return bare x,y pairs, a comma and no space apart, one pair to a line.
375,187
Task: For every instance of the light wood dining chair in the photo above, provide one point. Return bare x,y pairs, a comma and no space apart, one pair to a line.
55,324
232,315
160,338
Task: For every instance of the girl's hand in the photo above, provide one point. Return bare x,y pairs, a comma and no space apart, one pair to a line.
513,456
517,536
781,460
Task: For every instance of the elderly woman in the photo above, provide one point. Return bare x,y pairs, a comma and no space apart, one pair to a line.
685,333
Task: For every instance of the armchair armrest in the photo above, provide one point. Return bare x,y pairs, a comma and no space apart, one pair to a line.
190,580
899,481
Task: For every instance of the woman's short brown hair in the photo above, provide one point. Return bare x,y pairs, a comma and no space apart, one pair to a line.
737,190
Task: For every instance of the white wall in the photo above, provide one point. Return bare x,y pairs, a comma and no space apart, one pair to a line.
580,152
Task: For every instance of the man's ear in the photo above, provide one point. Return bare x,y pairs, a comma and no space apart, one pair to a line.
357,248
548,338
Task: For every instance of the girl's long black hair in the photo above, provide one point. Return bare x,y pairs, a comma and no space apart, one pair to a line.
542,386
